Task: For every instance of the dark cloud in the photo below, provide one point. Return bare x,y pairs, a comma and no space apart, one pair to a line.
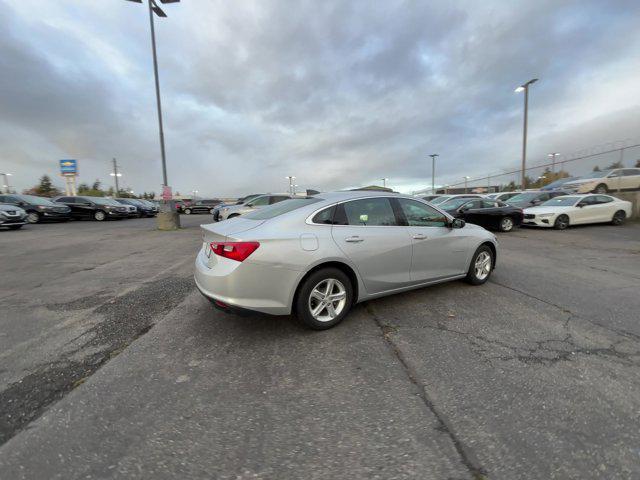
337,93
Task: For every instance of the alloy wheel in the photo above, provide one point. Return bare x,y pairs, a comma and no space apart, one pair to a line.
506,224
483,265
99,215
327,300
33,217
618,218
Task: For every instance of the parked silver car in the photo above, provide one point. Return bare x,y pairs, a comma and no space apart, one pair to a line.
257,203
317,256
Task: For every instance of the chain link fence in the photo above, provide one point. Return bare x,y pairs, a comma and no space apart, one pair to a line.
623,153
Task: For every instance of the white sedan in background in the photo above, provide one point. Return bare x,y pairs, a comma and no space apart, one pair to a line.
560,212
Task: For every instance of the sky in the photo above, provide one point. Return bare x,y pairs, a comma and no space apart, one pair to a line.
336,93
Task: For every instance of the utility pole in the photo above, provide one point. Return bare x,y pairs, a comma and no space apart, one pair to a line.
465,184
115,175
433,172
553,161
384,182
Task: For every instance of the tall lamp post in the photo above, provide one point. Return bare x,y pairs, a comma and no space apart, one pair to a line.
525,88
168,218
384,182
433,172
5,184
466,179
291,178
115,174
553,156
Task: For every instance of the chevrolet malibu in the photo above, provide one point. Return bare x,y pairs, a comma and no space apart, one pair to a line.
318,256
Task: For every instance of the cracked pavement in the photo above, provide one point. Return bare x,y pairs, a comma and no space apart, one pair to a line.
533,375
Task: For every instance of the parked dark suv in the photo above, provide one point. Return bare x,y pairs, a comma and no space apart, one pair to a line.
531,198
201,206
144,209
38,208
98,208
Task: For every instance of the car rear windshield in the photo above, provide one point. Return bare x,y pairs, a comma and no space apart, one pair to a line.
562,201
455,202
281,207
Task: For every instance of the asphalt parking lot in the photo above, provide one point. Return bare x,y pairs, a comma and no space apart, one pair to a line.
112,365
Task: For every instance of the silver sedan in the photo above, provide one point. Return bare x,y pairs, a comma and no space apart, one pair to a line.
318,256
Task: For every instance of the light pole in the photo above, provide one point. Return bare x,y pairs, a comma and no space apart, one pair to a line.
433,172
195,194
384,182
168,218
553,160
291,178
525,88
446,188
115,174
465,183
5,184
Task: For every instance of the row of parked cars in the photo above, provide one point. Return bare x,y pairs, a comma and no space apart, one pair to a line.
18,210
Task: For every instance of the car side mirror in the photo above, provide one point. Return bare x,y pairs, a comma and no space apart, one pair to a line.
457,223
580,205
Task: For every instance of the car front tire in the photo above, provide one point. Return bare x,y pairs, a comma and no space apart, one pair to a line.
99,215
187,211
324,299
561,223
481,266
33,217
601,189
506,224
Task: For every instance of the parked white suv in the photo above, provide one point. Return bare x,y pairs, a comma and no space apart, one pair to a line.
231,211
605,181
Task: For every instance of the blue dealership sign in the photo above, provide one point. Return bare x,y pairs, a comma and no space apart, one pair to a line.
68,167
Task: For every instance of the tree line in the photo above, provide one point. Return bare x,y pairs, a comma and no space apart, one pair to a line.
46,188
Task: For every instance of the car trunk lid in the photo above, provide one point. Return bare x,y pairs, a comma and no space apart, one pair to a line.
227,230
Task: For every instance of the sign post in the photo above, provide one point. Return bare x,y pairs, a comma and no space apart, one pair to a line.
69,171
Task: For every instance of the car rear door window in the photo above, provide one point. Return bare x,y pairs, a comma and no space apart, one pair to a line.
370,212
489,203
260,201
603,199
420,215
630,172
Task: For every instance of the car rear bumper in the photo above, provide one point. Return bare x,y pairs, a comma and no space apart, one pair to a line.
245,285
12,222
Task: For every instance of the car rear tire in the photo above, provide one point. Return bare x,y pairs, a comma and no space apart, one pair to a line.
33,217
506,224
561,223
324,298
481,266
619,217
601,189
99,215
187,211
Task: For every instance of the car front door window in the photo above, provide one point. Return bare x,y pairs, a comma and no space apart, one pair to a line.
421,215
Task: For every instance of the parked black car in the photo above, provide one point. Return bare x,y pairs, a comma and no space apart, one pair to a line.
98,208
532,198
485,212
12,217
143,209
38,208
201,206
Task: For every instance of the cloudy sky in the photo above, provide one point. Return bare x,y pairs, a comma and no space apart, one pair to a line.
337,93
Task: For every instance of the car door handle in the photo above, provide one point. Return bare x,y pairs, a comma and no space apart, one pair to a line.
419,236
354,239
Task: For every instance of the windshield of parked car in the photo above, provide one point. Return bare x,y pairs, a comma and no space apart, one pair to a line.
455,202
562,201
105,201
33,200
439,200
524,197
601,174
280,208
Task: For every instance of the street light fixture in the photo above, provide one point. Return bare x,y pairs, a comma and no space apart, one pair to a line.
172,219
553,160
6,181
525,88
291,178
433,172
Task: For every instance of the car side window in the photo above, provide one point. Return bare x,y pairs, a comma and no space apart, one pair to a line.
260,201
544,197
615,173
325,216
370,212
420,215
278,198
603,199
589,201
631,172
488,204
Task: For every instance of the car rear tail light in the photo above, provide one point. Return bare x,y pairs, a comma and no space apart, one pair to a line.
237,251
